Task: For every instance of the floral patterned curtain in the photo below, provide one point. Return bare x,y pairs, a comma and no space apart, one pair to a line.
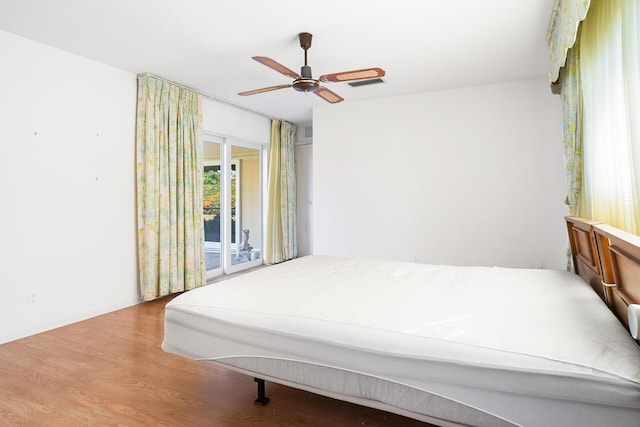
563,31
169,188
572,110
564,77
569,83
281,234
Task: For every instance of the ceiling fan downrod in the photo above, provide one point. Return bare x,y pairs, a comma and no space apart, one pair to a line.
306,83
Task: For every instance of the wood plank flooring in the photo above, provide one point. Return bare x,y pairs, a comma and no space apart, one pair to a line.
111,371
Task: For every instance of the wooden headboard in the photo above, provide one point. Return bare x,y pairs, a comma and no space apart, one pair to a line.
609,260
619,255
585,253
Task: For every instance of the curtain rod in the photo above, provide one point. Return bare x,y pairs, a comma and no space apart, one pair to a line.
213,98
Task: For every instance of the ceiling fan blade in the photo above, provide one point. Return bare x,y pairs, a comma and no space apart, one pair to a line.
367,73
274,65
264,89
328,95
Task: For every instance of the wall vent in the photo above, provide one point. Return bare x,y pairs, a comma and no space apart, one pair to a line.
365,82
308,131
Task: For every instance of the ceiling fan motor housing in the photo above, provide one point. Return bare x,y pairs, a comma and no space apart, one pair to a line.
305,85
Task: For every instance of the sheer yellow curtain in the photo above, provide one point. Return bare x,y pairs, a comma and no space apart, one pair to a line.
610,86
281,234
169,188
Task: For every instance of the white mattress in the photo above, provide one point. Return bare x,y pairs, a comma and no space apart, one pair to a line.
512,346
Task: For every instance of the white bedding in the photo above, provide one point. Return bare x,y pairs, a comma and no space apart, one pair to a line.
529,347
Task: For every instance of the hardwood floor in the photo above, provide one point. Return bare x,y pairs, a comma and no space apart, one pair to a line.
111,371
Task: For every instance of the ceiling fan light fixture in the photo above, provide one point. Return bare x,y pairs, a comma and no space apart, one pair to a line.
306,85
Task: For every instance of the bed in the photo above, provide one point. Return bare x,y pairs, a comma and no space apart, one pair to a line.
452,346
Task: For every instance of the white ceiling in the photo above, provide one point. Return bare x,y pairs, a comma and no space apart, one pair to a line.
423,45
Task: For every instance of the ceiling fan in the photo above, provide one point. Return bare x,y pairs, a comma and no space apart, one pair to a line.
304,82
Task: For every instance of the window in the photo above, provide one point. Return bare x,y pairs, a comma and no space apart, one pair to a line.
610,90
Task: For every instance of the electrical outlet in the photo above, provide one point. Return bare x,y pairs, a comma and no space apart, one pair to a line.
31,298
539,265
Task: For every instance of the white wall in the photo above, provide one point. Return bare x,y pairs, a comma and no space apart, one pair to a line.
448,177
67,185
234,123
67,188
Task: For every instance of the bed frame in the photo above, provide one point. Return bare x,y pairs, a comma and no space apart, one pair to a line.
609,260
584,252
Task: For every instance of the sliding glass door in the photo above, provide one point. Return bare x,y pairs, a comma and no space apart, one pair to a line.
232,204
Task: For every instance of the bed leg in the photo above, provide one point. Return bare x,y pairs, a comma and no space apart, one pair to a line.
262,399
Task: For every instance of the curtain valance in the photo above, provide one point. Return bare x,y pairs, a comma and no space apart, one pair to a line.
567,15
